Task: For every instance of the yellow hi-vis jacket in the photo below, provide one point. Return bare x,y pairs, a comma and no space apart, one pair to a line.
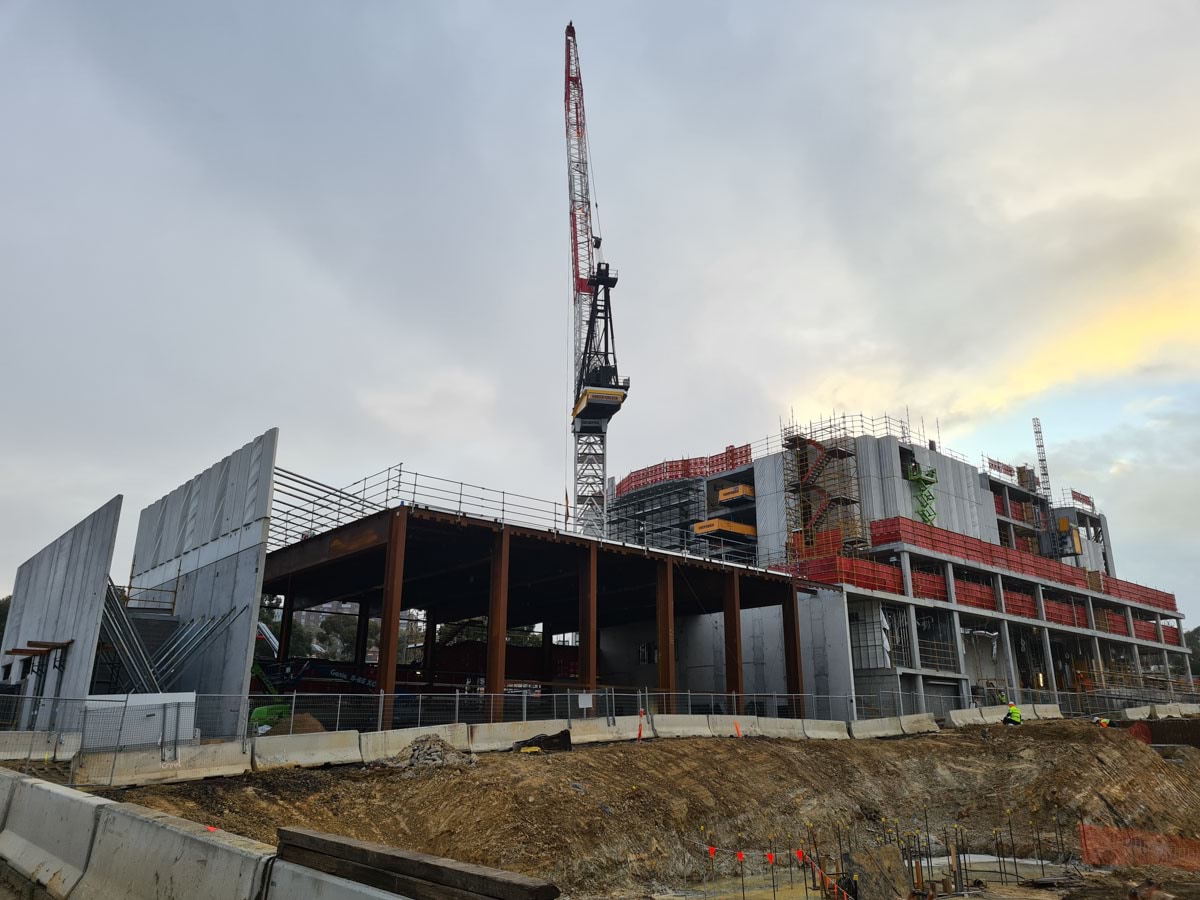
1014,713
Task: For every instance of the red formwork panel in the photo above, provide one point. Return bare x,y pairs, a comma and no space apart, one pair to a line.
1065,613
999,501
1116,621
1019,603
909,531
1147,631
859,572
1171,636
693,467
980,596
931,587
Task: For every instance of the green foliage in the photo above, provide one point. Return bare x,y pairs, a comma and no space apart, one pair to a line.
1192,639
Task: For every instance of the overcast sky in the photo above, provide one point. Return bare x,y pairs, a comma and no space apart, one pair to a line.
349,220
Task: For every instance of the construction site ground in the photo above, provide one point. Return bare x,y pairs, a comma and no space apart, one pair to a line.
636,819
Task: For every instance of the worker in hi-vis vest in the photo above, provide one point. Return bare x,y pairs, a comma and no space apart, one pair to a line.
1097,720
1014,715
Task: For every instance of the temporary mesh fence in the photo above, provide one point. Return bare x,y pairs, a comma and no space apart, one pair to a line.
1103,846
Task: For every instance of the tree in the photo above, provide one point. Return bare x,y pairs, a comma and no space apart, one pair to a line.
1192,639
302,640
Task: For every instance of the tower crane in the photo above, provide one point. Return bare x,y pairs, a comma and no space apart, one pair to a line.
598,389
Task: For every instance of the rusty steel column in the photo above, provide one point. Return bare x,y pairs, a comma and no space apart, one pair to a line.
285,626
497,629
665,616
393,601
733,636
588,631
429,647
793,670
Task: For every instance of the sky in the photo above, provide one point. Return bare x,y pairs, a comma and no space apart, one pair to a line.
350,221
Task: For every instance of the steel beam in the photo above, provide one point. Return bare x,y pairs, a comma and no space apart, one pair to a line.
588,631
285,626
497,629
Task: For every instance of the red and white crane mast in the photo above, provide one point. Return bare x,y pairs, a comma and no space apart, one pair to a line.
599,390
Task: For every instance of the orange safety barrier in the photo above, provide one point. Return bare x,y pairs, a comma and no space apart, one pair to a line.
909,531
1102,846
1171,636
859,572
1066,613
1116,622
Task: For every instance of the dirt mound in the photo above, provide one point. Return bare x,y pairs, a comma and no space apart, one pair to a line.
425,753
301,723
618,817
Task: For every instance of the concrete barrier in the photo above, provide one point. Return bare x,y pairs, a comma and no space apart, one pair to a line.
8,783
291,880
792,729
1189,709
598,731
326,748
876,728
48,833
1166,711
822,730
1047,710
67,746
1135,713
669,726
961,718
191,763
993,715
37,745
142,853
919,723
377,745
723,726
502,735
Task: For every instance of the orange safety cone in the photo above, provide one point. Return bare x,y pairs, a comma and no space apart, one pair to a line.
737,728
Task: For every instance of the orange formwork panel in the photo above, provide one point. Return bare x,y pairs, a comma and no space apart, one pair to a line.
929,586
979,596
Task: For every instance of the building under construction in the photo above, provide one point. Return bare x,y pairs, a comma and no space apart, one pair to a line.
950,582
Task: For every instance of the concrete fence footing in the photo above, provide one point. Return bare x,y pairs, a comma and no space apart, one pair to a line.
326,748
376,745
502,735
876,728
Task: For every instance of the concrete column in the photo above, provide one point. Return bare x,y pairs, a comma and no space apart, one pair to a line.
1158,628
1187,662
906,572
1009,665
588,630
793,670
547,653
1099,657
1039,600
1167,671
1007,504
1129,620
948,574
393,602
998,589
1137,660
961,653
921,694
912,636
1051,678
1091,613
497,628
665,617
733,633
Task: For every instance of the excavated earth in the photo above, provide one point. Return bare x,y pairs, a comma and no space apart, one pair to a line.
633,819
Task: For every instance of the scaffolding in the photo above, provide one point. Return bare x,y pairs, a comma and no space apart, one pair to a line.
822,501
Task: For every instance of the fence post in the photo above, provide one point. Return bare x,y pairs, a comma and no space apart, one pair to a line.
117,742
337,725
292,721
456,706
568,707
689,701
525,706
379,717
419,697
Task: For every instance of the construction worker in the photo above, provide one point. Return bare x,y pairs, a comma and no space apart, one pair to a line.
1013,717
1103,723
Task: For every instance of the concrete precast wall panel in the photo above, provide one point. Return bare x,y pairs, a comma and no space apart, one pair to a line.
770,509
207,542
59,596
